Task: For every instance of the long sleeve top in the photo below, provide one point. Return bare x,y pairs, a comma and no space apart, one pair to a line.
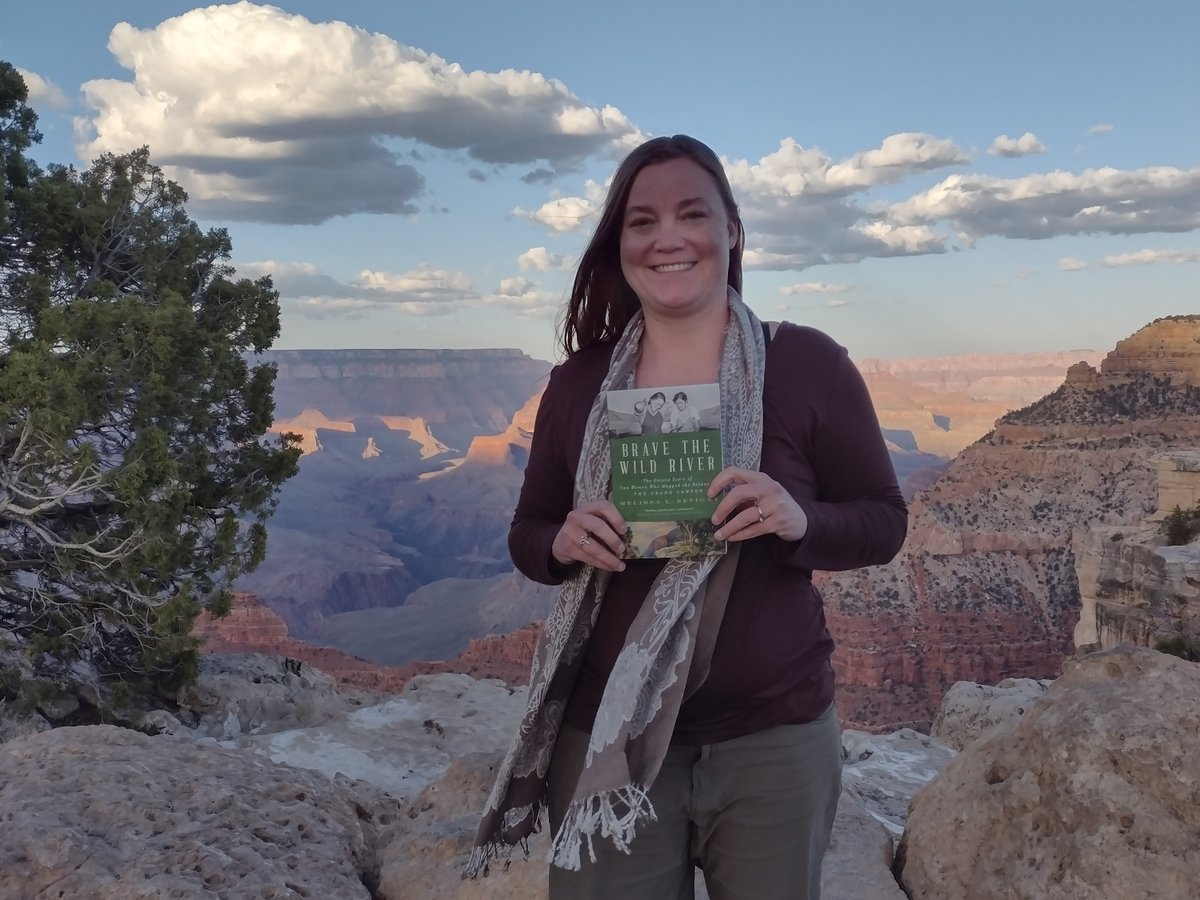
822,443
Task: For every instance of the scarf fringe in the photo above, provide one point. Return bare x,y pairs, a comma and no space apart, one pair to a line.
600,813
482,857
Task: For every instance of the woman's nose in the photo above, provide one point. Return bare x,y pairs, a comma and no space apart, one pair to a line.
669,237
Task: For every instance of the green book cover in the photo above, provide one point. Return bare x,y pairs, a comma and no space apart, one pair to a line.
665,449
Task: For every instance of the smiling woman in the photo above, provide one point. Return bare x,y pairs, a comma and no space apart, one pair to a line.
681,711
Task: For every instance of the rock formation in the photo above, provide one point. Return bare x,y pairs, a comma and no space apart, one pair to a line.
1093,793
459,393
945,403
104,813
1135,589
969,711
251,627
985,587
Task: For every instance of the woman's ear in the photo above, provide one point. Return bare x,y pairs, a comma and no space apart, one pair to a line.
734,228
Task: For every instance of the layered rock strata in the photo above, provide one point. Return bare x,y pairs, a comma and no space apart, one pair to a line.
1134,588
986,587
251,627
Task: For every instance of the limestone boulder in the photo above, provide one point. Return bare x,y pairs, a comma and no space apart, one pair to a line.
883,772
1093,793
104,813
407,743
969,710
250,693
426,863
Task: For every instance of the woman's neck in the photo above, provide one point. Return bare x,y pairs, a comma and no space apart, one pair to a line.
682,351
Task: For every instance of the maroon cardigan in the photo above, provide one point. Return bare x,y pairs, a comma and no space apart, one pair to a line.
821,441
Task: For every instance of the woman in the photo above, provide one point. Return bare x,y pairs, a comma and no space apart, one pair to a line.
681,712
654,419
683,417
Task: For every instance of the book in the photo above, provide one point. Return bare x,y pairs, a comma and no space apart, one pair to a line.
665,449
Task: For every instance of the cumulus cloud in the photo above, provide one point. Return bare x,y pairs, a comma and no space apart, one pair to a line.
564,214
1152,257
1070,264
837,302
542,260
423,291
793,170
266,116
1096,201
1011,147
43,92
1102,128
813,287
524,297
801,208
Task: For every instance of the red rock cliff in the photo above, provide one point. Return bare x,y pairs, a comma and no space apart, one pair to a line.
986,586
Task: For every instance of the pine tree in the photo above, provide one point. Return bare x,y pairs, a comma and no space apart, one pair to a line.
135,474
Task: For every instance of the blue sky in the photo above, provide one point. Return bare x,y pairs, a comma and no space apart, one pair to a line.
916,179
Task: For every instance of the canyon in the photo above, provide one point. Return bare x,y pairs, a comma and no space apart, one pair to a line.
399,555
986,586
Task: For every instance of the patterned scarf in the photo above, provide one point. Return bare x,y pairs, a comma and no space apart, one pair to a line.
667,651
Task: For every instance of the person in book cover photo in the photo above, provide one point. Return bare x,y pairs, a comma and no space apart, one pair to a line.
681,711
654,417
683,416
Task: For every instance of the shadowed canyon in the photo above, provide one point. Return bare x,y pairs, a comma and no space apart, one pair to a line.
389,545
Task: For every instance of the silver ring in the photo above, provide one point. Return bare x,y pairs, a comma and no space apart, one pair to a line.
761,517
583,541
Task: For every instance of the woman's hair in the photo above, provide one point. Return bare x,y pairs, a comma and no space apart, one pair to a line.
602,302
660,395
680,396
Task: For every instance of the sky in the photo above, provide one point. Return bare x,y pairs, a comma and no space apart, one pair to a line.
915,179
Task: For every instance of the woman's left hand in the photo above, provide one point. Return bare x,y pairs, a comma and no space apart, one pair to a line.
755,504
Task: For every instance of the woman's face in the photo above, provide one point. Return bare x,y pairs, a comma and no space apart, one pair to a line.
675,240
681,404
656,403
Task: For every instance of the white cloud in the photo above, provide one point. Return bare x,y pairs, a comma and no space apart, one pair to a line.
836,302
524,297
1102,128
43,92
264,115
564,214
1096,201
425,290
1011,147
813,287
793,170
1070,264
800,207
542,260
1152,257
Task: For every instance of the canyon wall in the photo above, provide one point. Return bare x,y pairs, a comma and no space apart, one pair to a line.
251,627
459,393
1135,588
986,585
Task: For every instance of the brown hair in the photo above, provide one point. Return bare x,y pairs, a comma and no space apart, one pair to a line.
602,302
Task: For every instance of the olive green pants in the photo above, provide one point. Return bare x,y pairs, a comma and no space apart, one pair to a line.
754,813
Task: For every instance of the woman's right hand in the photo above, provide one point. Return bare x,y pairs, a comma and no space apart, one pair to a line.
593,534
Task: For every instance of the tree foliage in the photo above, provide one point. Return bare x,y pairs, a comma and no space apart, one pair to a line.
135,478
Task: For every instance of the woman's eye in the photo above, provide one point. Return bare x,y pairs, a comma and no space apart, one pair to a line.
695,214
637,223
